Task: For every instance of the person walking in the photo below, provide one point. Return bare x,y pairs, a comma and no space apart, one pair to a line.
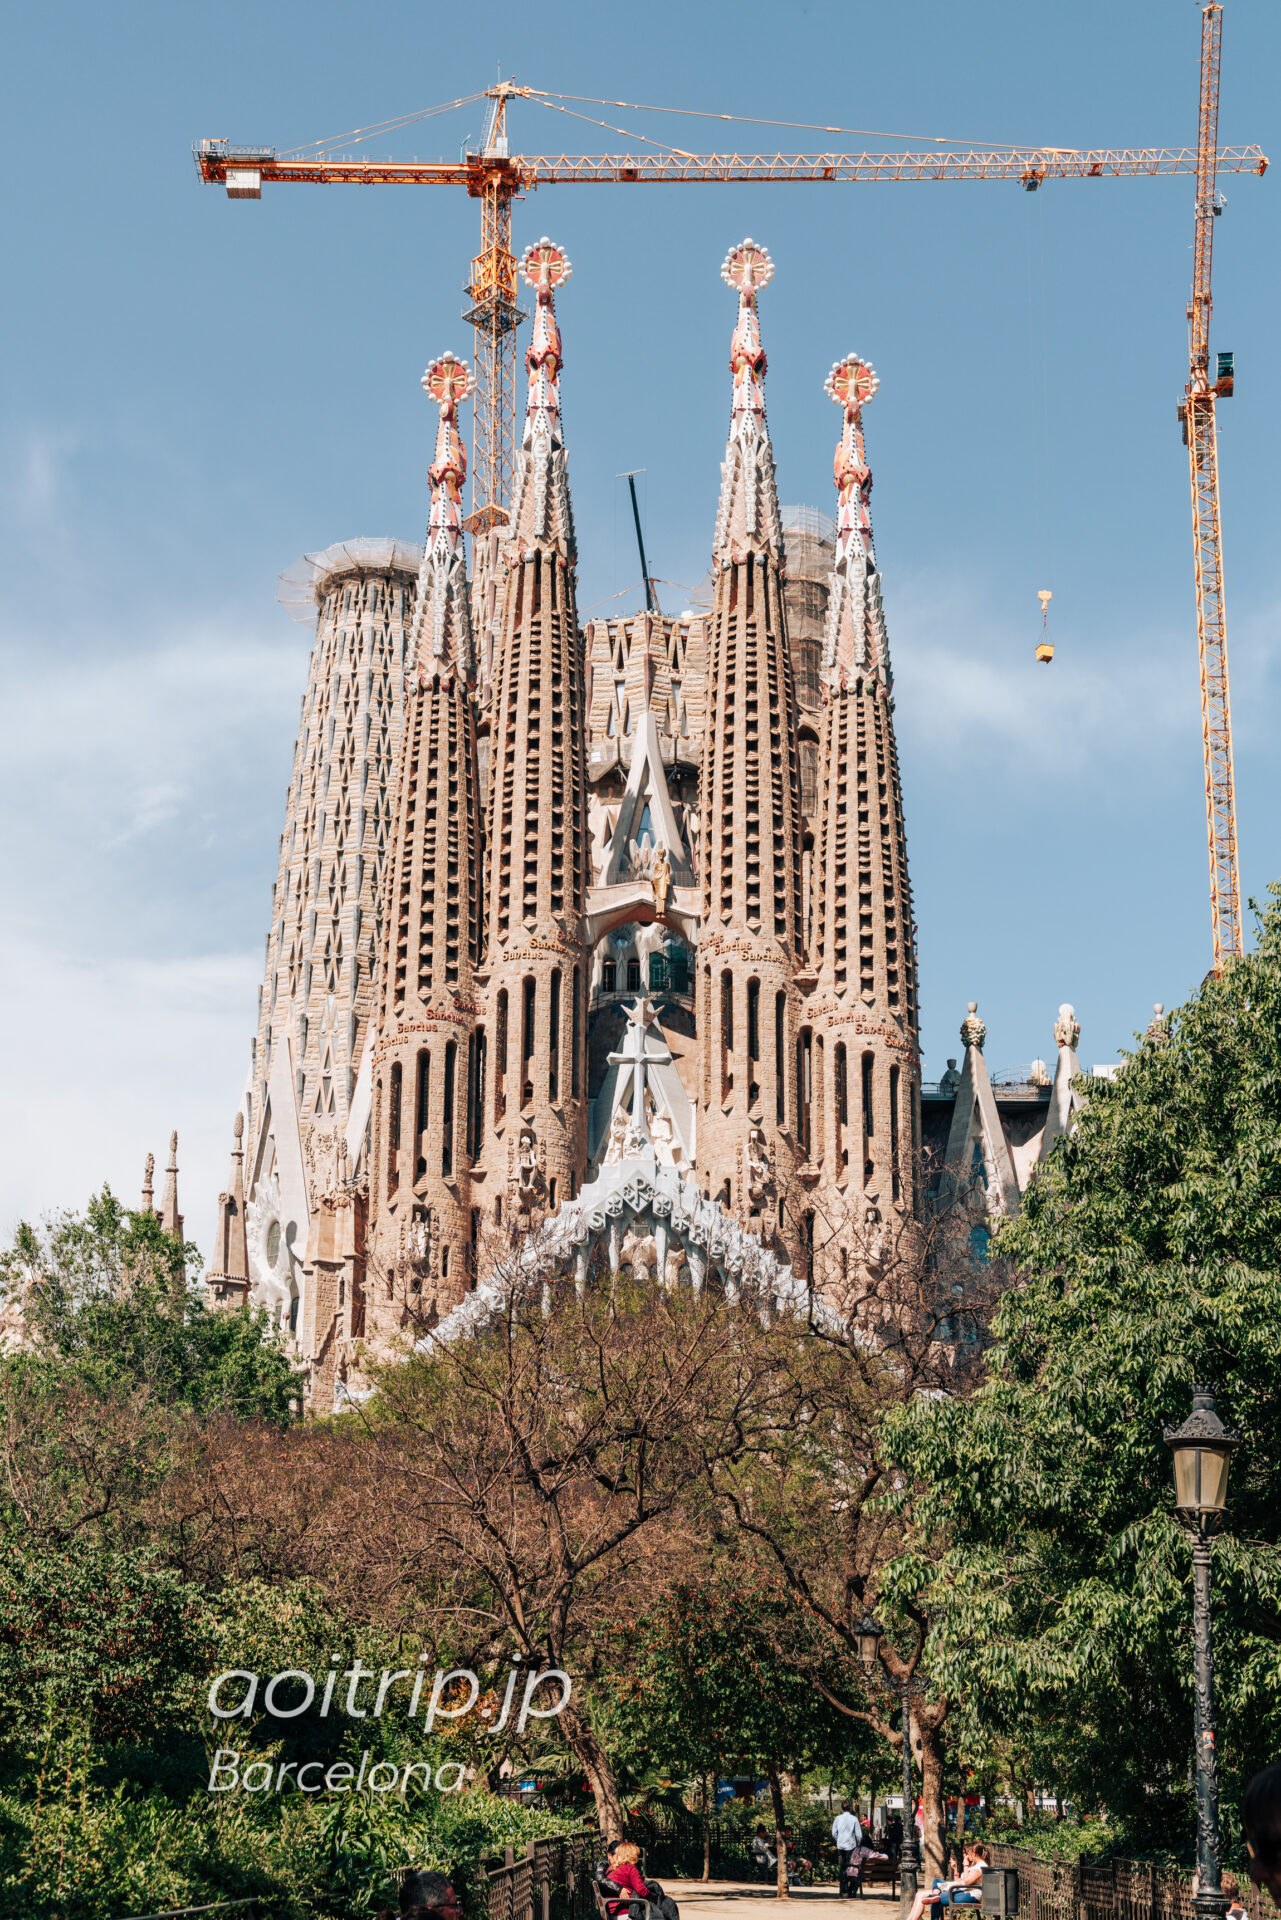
847,1832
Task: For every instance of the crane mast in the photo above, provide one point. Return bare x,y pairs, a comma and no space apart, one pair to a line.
495,317
1200,432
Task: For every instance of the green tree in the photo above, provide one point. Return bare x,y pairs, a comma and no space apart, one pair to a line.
717,1674
107,1293
1149,1257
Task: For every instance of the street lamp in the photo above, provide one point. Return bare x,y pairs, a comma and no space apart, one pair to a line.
1202,1447
869,1634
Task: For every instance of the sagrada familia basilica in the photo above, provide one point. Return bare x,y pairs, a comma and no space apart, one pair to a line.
598,933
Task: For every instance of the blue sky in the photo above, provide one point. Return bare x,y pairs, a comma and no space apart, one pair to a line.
195,392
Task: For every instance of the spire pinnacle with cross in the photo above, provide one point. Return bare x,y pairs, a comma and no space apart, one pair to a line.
748,518
856,640
443,607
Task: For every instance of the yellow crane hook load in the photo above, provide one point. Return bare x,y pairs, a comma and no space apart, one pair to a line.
1045,649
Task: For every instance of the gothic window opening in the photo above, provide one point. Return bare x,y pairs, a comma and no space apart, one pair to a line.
393,1128
447,1110
895,1182
840,1068
633,975
804,1090
609,976
727,1034
422,1104
780,1058
576,1035
500,1057
527,1044
553,1038
753,1040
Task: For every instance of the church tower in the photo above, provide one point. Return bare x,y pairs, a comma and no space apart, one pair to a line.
428,1056
754,1121
536,876
864,1010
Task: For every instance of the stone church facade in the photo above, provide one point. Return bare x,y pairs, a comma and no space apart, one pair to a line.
576,925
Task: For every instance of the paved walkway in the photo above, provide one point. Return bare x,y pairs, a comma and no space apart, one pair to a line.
722,1899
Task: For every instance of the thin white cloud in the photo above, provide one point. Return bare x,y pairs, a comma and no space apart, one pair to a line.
109,1057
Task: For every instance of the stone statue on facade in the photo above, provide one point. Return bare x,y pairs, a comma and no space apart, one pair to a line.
950,1081
758,1168
527,1174
661,878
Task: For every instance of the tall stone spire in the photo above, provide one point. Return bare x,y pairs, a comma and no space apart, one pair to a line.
227,1282
149,1184
754,1124
865,1009
428,1059
170,1218
538,851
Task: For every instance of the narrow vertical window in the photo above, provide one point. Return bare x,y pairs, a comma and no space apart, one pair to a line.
393,1127
753,1020
500,1057
527,1045
422,1107
804,1091
895,1182
482,1066
469,1125
553,1037
447,1110
869,1115
727,1033
780,1058
841,1102
576,1035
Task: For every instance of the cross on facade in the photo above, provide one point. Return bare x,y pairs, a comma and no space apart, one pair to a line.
633,1055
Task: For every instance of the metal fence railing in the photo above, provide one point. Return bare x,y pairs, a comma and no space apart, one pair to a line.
1109,1890
551,1880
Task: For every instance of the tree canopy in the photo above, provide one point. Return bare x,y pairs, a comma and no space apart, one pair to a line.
106,1295
1148,1254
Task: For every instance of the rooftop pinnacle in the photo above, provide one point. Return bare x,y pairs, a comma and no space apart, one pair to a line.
443,606
748,519
856,641
541,513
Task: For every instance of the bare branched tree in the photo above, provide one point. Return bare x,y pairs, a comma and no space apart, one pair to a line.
898,1306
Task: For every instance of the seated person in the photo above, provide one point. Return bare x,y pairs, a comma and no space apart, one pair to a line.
762,1852
967,1891
624,1876
1231,1888
859,1857
796,1862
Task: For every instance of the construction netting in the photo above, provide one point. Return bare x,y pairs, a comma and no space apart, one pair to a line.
301,588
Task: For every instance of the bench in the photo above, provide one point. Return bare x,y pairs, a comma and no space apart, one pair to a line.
880,1873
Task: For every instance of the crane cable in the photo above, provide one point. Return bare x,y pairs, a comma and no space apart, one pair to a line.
546,98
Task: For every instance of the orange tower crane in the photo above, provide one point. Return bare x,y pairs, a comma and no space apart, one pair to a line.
495,177
1201,438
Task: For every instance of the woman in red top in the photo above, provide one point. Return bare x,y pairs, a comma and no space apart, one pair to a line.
625,1873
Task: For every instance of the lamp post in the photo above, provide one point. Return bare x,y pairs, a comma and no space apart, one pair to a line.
1201,1448
869,1634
